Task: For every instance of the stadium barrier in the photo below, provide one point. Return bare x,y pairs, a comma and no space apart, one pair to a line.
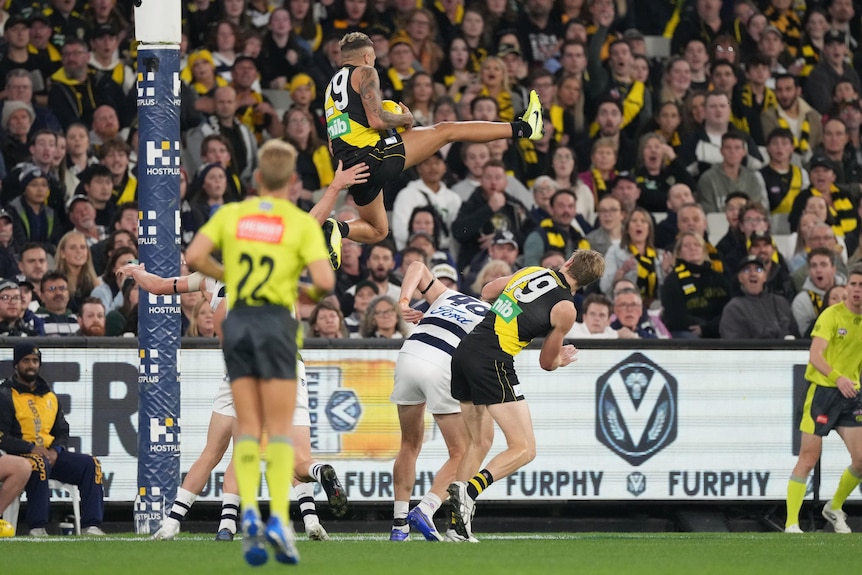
629,421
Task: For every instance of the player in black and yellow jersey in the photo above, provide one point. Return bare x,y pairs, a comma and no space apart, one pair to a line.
360,130
534,302
265,243
832,402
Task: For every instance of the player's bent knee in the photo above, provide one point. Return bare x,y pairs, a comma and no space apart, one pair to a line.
445,128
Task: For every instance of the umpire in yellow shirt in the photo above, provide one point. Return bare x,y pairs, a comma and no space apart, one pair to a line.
832,402
265,243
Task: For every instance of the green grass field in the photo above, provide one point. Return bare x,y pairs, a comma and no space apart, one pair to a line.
595,553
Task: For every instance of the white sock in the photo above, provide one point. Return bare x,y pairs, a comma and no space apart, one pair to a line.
399,515
304,495
314,470
229,512
182,504
430,504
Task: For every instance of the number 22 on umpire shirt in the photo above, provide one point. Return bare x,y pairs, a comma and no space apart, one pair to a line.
265,244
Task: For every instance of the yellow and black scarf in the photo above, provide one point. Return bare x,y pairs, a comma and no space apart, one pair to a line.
811,56
647,279
129,193
600,186
675,141
746,97
633,103
203,90
716,263
842,210
801,145
793,190
505,109
790,26
557,114
397,81
816,300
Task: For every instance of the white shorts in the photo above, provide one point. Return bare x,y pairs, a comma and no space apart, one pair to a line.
419,381
223,402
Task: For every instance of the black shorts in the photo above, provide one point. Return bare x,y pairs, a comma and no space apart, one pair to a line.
260,342
484,380
385,163
825,409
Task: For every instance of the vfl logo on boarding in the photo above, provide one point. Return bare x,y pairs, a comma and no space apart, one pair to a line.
343,410
636,483
636,409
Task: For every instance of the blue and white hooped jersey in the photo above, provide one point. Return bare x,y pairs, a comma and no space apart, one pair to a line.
452,316
216,290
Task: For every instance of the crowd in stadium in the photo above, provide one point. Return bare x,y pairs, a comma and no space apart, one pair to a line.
662,118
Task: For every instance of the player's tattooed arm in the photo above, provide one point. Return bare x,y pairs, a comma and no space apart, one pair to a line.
369,91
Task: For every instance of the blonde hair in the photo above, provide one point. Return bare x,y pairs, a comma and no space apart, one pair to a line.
276,164
585,267
193,330
80,282
354,41
491,267
678,245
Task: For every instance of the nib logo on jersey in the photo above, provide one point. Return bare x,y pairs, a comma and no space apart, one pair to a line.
164,435
636,409
163,158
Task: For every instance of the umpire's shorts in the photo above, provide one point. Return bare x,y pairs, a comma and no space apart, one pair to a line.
825,409
260,342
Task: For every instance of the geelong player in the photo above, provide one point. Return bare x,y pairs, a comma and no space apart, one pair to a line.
533,302
354,121
832,402
422,381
